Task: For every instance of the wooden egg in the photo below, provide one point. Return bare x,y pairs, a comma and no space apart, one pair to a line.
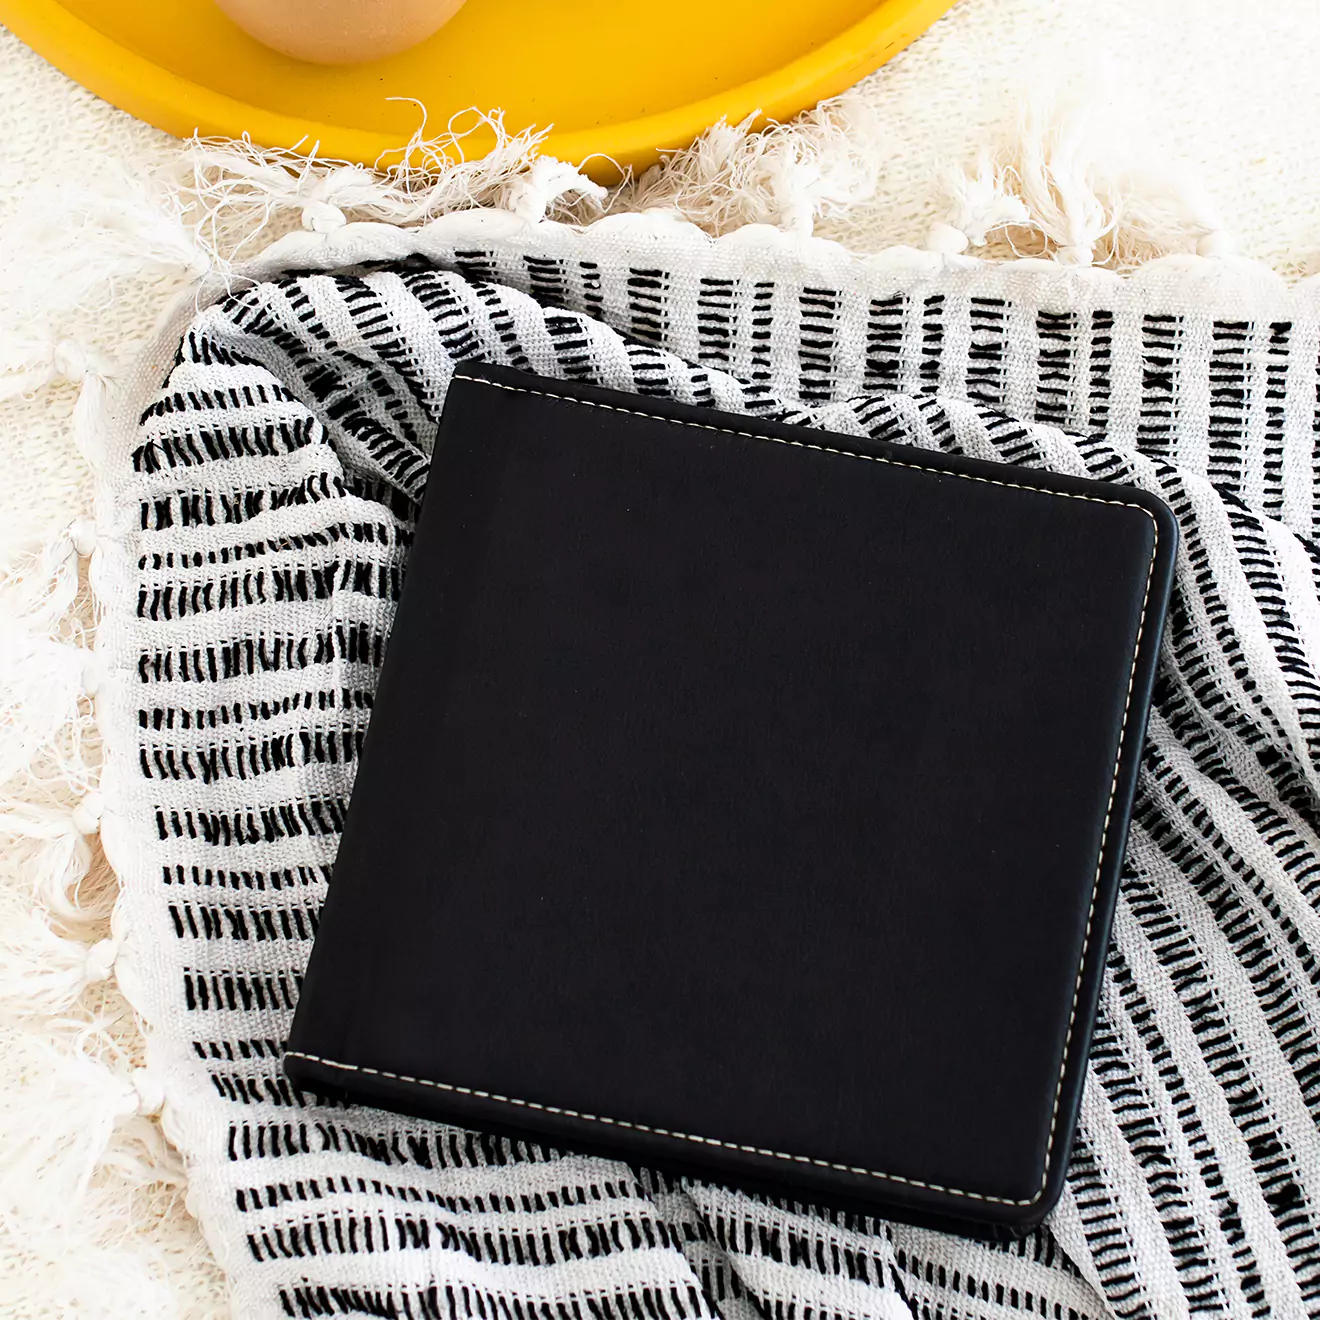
340,31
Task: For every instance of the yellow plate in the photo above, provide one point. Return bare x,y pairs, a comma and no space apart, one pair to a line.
617,79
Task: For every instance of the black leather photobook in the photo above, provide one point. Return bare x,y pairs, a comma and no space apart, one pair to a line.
743,800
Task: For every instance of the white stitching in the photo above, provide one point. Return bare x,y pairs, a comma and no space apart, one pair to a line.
1095,882
822,449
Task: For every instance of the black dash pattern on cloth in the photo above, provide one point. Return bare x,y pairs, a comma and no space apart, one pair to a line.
274,485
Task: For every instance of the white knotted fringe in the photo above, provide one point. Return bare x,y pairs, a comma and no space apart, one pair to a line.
42,973
1072,183
72,248
49,746
76,1067
790,175
233,192
1077,182
84,1170
981,205
531,195
86,1177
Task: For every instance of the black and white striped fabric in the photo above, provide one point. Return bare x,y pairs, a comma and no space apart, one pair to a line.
265,507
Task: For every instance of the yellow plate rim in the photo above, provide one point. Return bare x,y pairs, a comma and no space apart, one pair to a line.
181,106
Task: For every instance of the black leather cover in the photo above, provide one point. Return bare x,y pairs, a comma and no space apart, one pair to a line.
743,799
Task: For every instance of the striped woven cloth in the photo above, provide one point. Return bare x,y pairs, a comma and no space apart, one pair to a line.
263,507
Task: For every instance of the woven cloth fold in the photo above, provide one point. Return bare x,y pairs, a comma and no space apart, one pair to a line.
263,510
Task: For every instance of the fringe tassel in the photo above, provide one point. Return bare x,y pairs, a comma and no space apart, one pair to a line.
1072,184
1078,184
981,205
88,1183
789,175
41,973
234,193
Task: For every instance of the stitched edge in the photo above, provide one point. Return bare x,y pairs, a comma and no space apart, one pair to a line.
1095,881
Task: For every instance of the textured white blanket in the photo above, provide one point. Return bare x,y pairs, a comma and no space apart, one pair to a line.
251,527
